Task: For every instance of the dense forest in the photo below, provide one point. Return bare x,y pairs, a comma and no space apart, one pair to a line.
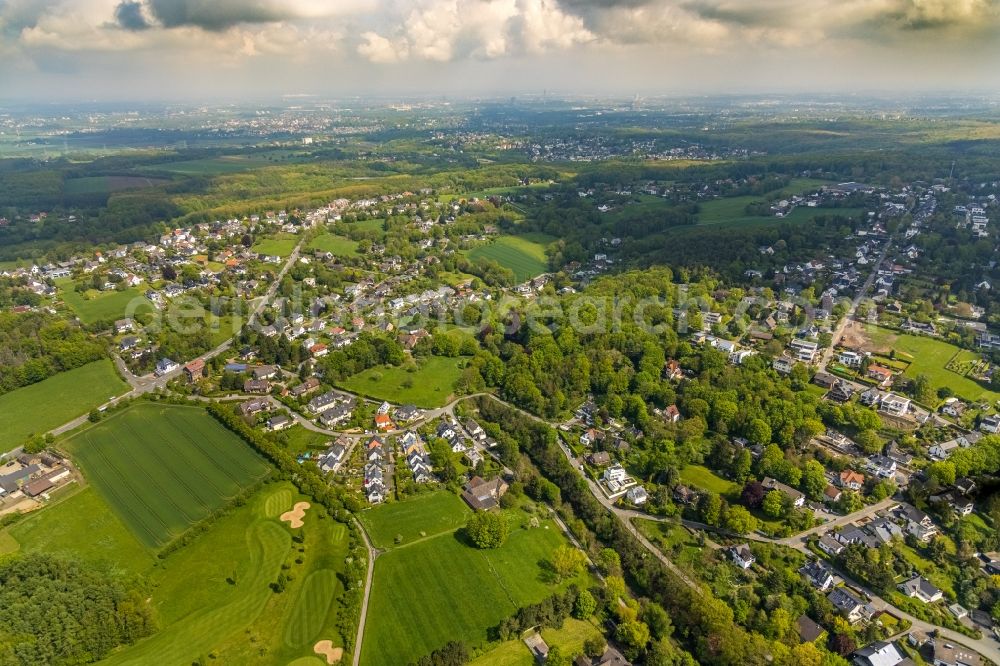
35,345
57,611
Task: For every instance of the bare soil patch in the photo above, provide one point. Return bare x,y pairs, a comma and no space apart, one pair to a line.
855,337
294,517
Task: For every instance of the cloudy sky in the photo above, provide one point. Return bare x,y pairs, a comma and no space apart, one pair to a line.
223,49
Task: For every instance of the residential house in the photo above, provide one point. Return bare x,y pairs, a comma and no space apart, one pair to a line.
742,556
165,366
407,413
256,386
279,422
850,606
808,630
264,372
882,466
194,369
331,459
798,498
599,458
383,423
880,374
254,406
637,495
920,588
818,575
895,405
309,385
832,493
944,653
124,326
852,480
482,495
880,653
336,415
830,545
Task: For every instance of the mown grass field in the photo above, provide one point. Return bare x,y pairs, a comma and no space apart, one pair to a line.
213,596
92,306
337,245
431,514
164,468
430,384
442,588
282,245
40,407
930,356
732,210
81,525
524,254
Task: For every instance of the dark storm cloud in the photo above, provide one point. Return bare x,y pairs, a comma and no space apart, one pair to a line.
128,14
216,15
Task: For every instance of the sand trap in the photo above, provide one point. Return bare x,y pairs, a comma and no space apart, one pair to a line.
294,517
325,648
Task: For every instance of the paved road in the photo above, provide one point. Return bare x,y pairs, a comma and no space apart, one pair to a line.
149,383
838,332
363,616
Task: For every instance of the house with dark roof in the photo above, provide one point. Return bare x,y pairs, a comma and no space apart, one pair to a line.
808,630
850,606
798,498
920,588
482,495
818,575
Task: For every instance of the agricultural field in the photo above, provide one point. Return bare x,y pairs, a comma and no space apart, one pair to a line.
81,524
524,254
66,396
108,184
336,245
164,468
282,245
210,166
931,357
429,383
441,588
213,596
422,516
93,306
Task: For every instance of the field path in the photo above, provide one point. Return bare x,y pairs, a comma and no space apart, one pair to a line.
363,616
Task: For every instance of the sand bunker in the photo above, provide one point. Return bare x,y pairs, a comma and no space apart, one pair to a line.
325,649
294,517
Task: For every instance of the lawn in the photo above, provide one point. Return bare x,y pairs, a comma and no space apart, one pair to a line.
674,541
282,245
429,383
64,397
524,254
164,468
930,357
334,244
441,588
424,515
93,306
82,525
570,639
213,596
705,479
